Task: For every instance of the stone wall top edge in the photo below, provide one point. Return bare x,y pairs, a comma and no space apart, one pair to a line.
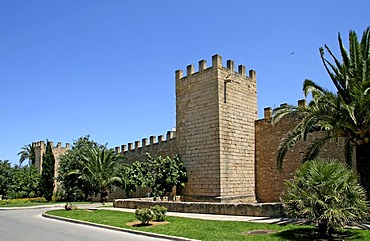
268,110
216,64
58,146
132,146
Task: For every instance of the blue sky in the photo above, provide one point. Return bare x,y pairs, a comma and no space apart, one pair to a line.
106,68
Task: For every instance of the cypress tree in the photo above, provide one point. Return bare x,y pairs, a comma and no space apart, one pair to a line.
47,174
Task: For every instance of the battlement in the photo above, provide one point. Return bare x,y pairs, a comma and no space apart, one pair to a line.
216,64
40,148
144,143
41,144
267,111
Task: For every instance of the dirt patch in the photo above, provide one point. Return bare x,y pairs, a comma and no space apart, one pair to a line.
257,232
151,223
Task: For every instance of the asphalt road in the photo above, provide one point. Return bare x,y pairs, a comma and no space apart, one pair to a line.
21,225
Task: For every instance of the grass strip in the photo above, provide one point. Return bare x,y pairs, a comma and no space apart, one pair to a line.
210,230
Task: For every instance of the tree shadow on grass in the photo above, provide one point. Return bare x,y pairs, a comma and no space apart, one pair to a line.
310,234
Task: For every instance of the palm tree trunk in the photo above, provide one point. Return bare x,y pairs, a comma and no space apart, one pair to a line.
323,228
363,166
104,196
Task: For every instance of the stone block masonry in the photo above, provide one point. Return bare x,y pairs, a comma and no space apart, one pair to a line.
269,180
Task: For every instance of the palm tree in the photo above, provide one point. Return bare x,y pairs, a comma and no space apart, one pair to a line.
327,192
27,153
100,169
344,114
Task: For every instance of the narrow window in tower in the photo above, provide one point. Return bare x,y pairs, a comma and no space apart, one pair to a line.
225,94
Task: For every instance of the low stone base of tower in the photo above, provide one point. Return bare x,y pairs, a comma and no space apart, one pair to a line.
247,198
240,209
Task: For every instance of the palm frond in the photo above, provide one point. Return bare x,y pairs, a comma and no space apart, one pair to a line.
348,152
288,142
315,147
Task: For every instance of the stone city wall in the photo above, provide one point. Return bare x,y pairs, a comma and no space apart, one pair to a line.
137,151
269,180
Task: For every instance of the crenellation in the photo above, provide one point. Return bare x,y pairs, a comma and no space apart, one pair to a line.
202,65
130,145
153,140
302,102
161,145
267,113
178,74
252,74
268,110
190,70
216,61
230,65
216,64
137,145
123,148
170,135
242,70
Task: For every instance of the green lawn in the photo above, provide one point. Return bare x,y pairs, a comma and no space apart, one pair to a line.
209,230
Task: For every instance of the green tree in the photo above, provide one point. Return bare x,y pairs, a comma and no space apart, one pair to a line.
74,187
344,114
5,176
160,174
327,192
164,173
27,153
25,182
47,173
127,178
99,167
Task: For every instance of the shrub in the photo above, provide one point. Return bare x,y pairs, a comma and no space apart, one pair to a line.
22,200
327,192
144,215
159,212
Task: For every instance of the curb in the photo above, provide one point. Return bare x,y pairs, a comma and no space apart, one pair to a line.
154,235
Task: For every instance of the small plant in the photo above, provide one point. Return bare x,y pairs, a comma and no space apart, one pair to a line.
327,192
145,215
159,213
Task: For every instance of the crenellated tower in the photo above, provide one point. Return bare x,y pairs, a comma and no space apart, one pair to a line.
216,109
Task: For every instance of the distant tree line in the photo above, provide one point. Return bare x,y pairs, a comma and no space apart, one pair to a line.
88,169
